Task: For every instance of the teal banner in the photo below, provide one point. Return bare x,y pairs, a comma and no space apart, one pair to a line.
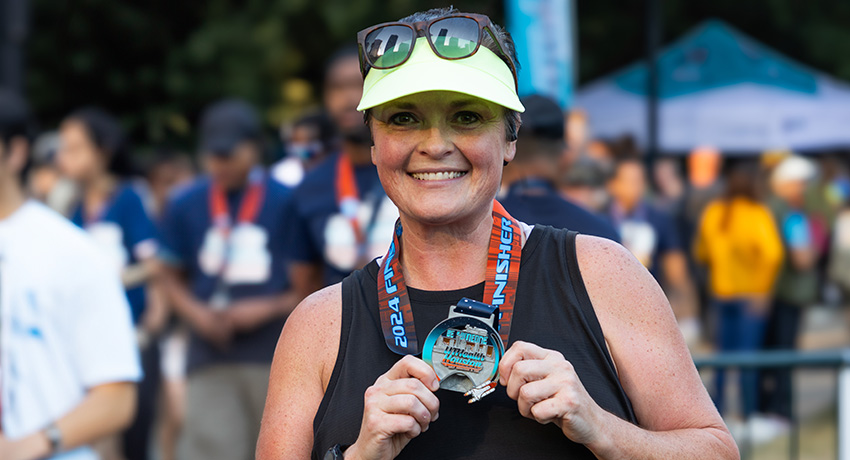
543,33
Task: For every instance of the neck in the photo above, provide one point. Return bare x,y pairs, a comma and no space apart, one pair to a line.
531,170
446,257
11,198
359,155
97,191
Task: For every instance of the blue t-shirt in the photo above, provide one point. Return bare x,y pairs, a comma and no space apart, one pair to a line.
314,203
125,231
256,268
536,201
648,233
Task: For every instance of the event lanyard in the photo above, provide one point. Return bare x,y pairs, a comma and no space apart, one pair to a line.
248,208
347,195
500,283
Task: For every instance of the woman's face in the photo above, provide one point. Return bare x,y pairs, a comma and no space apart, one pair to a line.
78,158
439,154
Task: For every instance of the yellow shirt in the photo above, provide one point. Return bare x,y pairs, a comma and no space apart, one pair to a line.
743,250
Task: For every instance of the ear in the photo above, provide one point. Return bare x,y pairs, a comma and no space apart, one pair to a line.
510,152
372,152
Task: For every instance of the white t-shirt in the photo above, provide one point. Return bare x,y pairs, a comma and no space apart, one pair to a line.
64,322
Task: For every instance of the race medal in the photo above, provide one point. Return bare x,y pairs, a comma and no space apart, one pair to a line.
465,349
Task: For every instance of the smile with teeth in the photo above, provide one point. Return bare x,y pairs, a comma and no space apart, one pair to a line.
442,175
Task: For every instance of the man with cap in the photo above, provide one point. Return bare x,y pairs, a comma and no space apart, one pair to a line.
68,361
340,217
530,179
223,247
797,284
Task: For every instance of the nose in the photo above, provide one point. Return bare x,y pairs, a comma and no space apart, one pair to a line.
436,142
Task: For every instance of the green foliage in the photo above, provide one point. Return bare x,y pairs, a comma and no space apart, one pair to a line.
157,63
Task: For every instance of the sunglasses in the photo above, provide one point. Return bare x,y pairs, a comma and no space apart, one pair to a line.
451,37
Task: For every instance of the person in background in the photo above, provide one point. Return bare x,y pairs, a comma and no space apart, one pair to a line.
739,244
168,173
225,276
651,235
583,182
307,142
61,307
93,153
797,285
340,217
45,182
530,178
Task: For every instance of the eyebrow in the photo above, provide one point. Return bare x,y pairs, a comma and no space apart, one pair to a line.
453,105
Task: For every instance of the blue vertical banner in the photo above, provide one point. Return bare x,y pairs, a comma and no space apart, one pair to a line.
543,33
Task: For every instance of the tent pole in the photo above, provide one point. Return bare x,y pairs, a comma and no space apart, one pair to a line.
653,42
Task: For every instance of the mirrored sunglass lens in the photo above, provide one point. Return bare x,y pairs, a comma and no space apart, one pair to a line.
454,37
388,46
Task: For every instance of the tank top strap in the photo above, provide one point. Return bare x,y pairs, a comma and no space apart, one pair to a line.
589,314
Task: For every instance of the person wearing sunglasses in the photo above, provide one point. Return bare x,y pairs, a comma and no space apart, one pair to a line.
542,344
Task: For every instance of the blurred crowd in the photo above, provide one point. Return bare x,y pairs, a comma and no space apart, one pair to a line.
214,250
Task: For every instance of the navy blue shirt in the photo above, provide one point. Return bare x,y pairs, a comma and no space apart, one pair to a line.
125,231
314,203
648,232
535,201
187,231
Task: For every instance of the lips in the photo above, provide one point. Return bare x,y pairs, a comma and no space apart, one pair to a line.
441,175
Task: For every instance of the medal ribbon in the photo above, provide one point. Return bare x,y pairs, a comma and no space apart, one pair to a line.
248,208
347,195
501,278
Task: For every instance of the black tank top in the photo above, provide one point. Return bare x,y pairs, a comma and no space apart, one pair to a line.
552,310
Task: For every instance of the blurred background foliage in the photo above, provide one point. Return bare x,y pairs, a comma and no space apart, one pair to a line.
157,63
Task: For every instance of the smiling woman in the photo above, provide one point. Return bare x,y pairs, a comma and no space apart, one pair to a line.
572,339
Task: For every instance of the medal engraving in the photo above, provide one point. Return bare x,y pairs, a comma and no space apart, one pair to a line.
465,354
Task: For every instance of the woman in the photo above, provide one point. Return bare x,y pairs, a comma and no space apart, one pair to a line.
442,129
93,154
738,241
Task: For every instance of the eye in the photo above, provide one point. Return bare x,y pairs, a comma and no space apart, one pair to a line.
402,119
467,118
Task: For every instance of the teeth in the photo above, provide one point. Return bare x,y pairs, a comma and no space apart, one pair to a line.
443,175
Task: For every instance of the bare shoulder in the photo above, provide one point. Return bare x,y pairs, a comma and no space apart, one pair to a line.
312,332
303,362
617,284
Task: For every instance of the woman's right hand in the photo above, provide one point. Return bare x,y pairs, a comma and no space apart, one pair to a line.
397,408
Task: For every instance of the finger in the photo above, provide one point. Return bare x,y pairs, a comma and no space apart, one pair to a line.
548,411
519,351
534,392
415,387
390,425
412,367
407,404
524,372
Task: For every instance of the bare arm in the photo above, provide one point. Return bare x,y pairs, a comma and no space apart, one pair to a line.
677,418
105,410
300,373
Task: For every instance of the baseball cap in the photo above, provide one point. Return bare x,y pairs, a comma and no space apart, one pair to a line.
794,168
483,75
225,124
543,118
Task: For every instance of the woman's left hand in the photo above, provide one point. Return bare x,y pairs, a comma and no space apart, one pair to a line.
548,390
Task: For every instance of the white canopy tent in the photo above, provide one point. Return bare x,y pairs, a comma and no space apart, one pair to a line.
722,89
